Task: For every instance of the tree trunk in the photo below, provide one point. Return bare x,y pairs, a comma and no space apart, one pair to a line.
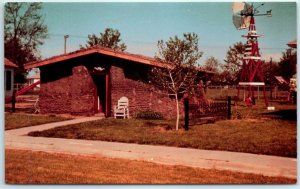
177,109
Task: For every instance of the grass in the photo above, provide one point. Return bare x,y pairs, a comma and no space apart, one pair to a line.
283,111
260,136
27,167
222,93
16,120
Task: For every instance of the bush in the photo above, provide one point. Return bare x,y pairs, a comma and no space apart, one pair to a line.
149,114
237,115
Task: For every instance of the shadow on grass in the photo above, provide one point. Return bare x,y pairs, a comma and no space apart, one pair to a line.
20,110
290,115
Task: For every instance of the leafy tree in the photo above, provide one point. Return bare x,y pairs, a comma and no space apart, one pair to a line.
270,70
233,63
213,64
24,31
110,38
179,73
287,64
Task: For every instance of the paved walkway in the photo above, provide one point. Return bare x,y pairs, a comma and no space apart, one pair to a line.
207,159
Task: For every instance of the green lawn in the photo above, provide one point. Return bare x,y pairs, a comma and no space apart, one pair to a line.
261,136
18,120
222,93
27,167
283,111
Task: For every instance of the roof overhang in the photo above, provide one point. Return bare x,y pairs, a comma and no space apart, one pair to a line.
80,53
104,51
9,64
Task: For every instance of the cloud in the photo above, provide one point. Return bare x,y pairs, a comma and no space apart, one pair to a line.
146,49
274,56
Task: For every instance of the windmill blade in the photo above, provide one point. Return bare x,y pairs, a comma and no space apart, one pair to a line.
240,11
241,22
237,21
237,7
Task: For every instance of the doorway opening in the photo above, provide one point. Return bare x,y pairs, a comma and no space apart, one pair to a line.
100,96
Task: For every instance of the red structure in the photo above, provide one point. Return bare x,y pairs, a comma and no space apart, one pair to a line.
22,91
252,69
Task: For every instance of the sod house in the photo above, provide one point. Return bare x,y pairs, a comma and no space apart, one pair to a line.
91,81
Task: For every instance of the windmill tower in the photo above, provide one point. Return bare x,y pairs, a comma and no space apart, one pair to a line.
252,68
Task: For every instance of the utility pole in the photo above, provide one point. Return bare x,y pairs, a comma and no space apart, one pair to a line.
271,78
65,37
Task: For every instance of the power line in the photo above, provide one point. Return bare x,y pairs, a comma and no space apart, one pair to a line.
147,42
62,35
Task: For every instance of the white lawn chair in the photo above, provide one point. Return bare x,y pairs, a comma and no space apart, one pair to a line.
121,110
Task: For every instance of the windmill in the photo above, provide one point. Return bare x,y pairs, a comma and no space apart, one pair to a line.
252,68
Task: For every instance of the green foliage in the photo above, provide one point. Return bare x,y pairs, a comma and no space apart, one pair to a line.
287,64
213,64
180,57
233,63
24,32
238,115
178,51
111,38
179,73
271,69
149,115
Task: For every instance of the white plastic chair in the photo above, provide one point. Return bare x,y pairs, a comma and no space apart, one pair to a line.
121,109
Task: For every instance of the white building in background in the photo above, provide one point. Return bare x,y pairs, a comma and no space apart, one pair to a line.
9,68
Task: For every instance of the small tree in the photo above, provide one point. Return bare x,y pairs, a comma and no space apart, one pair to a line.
179,73
110,38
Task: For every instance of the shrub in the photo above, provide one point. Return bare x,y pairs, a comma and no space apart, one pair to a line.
237,115
149,114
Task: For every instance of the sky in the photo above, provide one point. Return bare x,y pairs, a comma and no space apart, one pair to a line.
142,24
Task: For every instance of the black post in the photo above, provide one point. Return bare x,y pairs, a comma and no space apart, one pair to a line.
13,101
229,107
186,114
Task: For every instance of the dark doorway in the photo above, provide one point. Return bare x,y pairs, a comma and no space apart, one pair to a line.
100,101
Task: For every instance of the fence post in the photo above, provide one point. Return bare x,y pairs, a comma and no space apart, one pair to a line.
13,101
186,114
229,107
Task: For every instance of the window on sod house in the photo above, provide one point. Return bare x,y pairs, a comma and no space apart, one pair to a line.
8,80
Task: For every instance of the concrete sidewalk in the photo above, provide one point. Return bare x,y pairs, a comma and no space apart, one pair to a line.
220,160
